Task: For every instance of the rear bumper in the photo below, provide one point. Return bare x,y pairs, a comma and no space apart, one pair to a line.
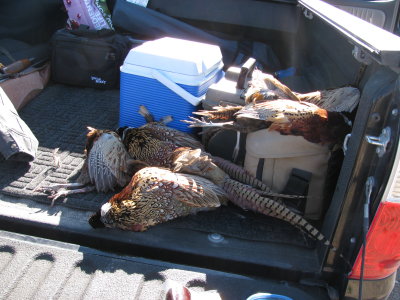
372,289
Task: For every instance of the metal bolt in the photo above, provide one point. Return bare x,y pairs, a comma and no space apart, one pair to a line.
215,238
375,117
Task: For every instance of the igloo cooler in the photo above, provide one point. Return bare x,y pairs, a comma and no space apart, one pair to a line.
170,77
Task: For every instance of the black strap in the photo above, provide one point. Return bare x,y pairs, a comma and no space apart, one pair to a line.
260,169
298,182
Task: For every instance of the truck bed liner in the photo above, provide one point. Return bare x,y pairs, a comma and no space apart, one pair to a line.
62,271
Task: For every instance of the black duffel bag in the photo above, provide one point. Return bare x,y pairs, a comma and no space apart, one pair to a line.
89,58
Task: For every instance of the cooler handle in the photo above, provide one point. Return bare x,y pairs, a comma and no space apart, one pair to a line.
245,70
176,88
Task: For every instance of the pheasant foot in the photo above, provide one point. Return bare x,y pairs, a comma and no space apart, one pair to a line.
56,191
194,122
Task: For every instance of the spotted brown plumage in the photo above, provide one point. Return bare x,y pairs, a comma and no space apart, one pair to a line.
161,131
197,162
264,86
157,195
249,198
287,117
142,144
179,138
106,166
107,160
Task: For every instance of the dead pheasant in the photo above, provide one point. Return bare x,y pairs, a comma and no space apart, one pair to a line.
142,144
265,87
164,133
156,195
162,146
179,138
287,117
106,166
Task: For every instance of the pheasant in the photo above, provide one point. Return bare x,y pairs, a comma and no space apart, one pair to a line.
164,133
154,142
156,195
142,144
265,87
106,166
287,117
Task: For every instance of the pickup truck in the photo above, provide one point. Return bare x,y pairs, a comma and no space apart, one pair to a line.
52,251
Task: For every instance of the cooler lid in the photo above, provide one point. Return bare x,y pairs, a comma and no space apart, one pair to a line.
177,56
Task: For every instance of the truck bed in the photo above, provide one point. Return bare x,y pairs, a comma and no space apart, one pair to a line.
58,117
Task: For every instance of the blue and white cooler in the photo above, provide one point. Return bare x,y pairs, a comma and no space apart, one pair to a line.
170,77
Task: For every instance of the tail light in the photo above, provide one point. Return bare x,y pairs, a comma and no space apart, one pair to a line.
382,253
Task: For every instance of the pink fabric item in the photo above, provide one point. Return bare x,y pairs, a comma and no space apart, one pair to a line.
93,13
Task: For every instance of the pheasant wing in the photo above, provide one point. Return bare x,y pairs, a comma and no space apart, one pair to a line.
196,162
278,111
190,190
219,112
107,162
179,138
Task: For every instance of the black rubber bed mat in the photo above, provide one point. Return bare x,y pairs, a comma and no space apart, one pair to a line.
59,117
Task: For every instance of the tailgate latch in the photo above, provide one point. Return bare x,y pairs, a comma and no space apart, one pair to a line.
380,141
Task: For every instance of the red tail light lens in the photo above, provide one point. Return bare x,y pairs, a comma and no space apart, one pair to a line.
382,255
